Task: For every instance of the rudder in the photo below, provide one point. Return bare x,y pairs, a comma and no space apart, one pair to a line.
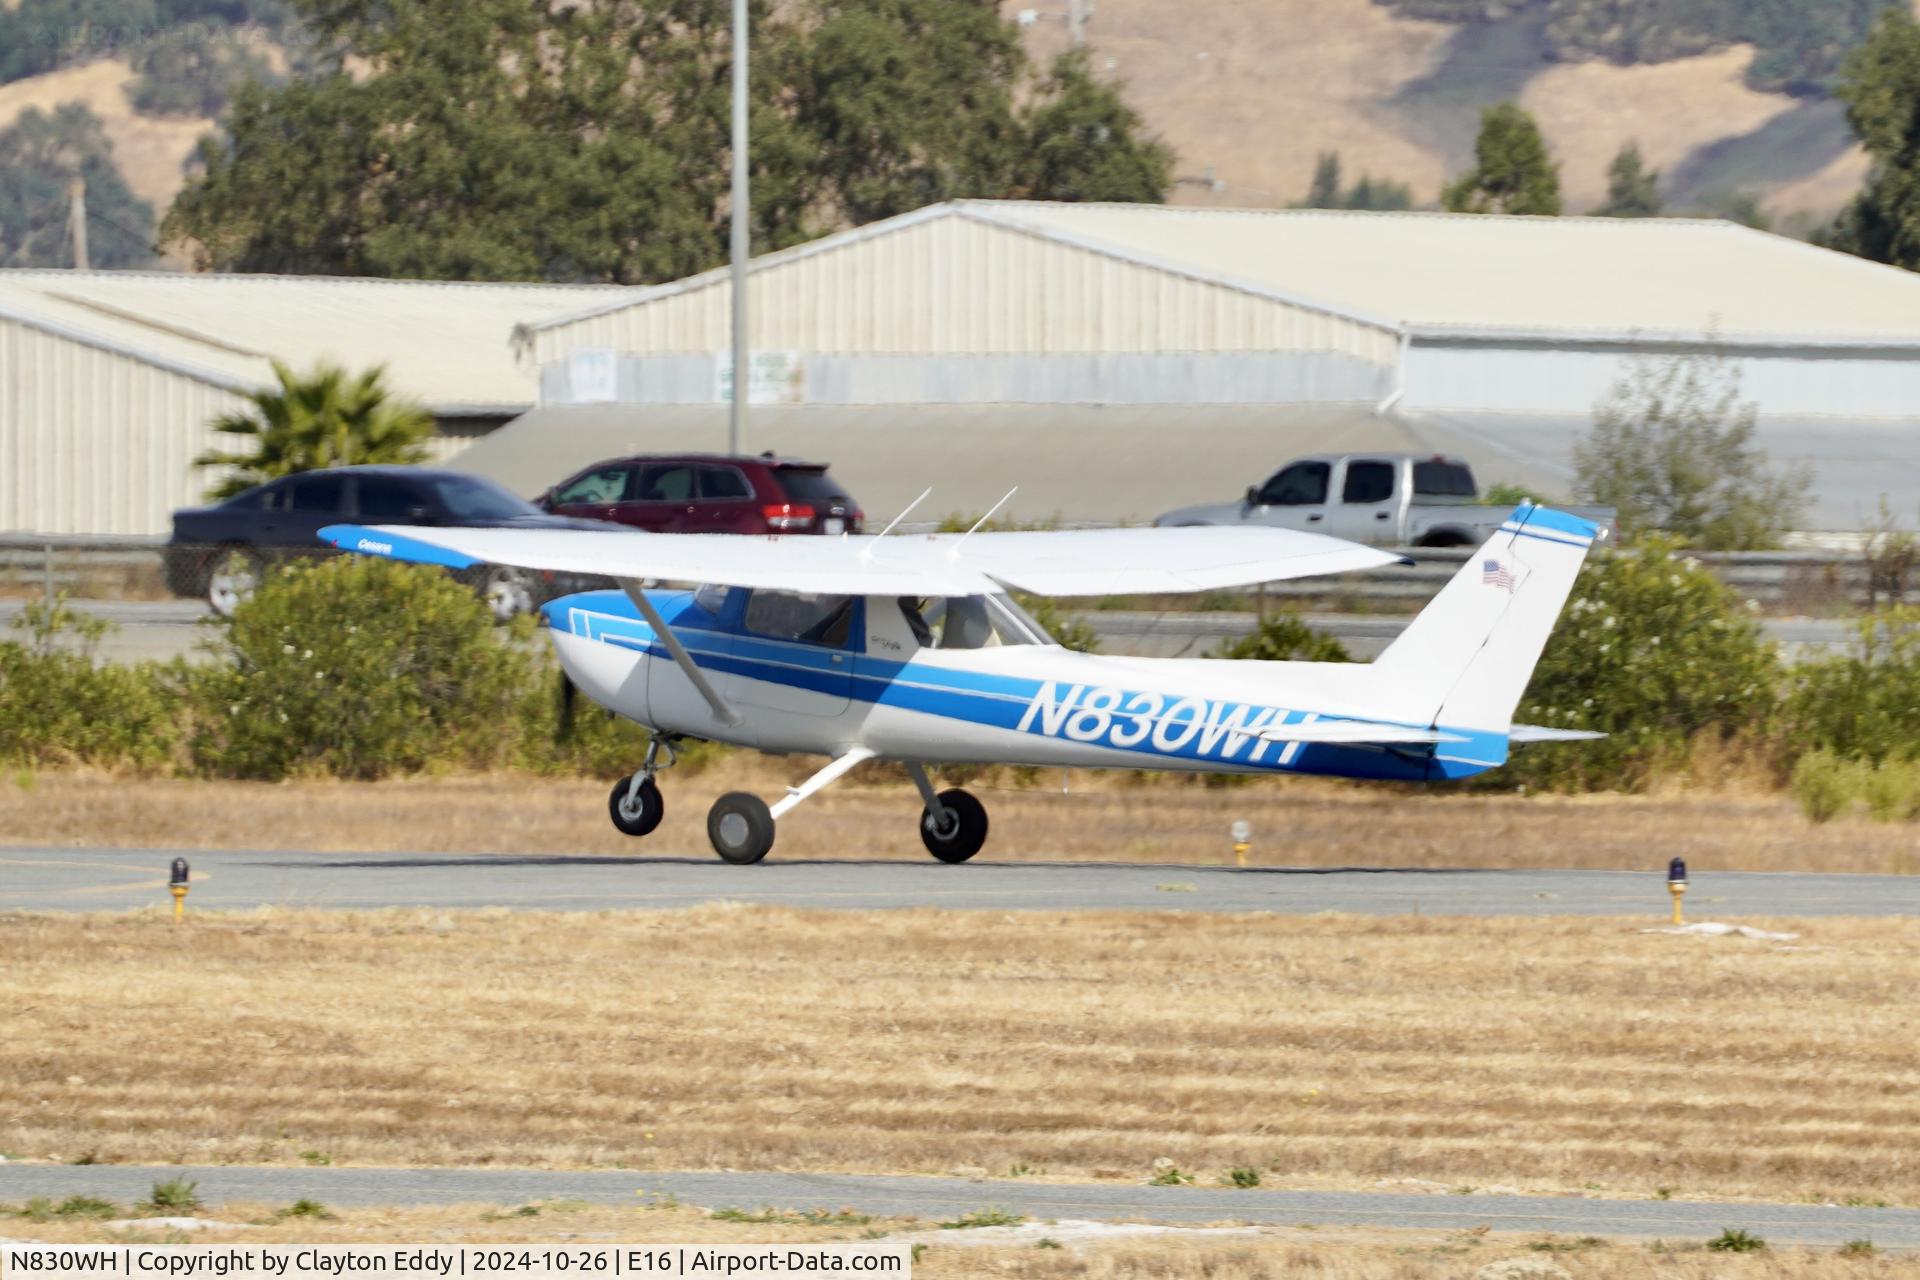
1465,661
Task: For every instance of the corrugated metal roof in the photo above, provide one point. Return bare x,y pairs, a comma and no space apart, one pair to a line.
448,345
1438,271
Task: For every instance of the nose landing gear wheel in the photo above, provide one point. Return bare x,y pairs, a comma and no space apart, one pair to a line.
740,827
642,813
957,833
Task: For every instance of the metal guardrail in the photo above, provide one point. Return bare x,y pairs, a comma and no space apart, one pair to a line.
1777,581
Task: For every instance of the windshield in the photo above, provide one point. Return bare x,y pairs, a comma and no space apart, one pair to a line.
470,498
971,622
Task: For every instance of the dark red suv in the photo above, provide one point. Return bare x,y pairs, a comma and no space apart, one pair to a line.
708,493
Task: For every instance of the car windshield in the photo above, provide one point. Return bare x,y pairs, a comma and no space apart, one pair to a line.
470,498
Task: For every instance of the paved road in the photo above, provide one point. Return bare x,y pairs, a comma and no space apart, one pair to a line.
165,628
113,879
947,1197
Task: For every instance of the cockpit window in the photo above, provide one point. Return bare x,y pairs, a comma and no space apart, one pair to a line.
811,619
971,622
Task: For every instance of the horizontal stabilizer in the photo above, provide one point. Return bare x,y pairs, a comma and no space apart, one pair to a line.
1359,733
1540,733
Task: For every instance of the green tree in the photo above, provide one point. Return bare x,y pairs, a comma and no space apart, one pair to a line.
587,140
1672,450
1081,141
1653,651
325,419
1367,192
1632,188
39,156
1512,172
1324,191
191,71
1881,87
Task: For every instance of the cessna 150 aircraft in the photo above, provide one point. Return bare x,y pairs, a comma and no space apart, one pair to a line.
909,648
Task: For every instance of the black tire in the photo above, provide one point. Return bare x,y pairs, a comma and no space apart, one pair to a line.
967,831
651,807
740,827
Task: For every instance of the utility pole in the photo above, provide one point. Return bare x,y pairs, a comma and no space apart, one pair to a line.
1077,22
740,218
77,220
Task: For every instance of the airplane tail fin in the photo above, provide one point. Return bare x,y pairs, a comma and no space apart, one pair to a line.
1466,659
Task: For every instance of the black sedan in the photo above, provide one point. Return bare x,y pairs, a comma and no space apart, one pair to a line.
217,552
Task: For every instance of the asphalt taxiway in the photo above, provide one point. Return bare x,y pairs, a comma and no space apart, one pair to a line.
40,878
926,1197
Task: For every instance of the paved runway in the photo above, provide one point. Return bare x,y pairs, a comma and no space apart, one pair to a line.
115,879
948,1197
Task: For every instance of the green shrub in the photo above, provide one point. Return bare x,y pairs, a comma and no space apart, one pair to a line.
1654,651
172,1196
1825,785
1283,637
1242,1176
1891,790
359,668
987,1217
1070,631
1865,703
1735,1240
58,706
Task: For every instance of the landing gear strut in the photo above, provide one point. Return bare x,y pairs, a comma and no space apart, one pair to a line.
635,804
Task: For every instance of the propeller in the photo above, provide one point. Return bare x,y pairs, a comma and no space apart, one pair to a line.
563,724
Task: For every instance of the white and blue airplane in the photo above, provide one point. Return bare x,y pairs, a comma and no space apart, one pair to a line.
911,649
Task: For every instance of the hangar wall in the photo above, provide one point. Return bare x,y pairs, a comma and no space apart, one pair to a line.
96,442
1283,377
1572,376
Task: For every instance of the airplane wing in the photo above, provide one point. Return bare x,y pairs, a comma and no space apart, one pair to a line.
1540,733
1357,733
1078,562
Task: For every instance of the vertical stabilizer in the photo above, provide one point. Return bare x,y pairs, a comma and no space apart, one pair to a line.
1466,660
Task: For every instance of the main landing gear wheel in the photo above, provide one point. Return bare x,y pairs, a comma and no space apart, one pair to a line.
636,813
741,828
957,833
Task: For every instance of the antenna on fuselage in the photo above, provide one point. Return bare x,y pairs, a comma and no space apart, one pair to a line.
954,550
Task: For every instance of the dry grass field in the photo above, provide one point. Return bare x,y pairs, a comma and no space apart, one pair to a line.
1267,1253
1554,1055
1121,817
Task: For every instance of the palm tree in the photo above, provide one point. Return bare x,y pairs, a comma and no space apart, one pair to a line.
326,419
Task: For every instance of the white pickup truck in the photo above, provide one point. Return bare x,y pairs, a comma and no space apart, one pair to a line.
1388,499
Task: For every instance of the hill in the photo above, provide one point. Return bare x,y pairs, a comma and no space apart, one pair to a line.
1250,91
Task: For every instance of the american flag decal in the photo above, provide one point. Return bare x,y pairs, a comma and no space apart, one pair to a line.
1495,574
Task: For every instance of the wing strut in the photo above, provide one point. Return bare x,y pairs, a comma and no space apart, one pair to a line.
686,663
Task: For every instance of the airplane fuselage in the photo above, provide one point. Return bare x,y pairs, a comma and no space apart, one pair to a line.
878,677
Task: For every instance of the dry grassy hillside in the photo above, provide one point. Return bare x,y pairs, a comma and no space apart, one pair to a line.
1252,90
149,151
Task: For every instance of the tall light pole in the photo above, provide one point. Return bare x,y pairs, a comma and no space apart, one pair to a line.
740,219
